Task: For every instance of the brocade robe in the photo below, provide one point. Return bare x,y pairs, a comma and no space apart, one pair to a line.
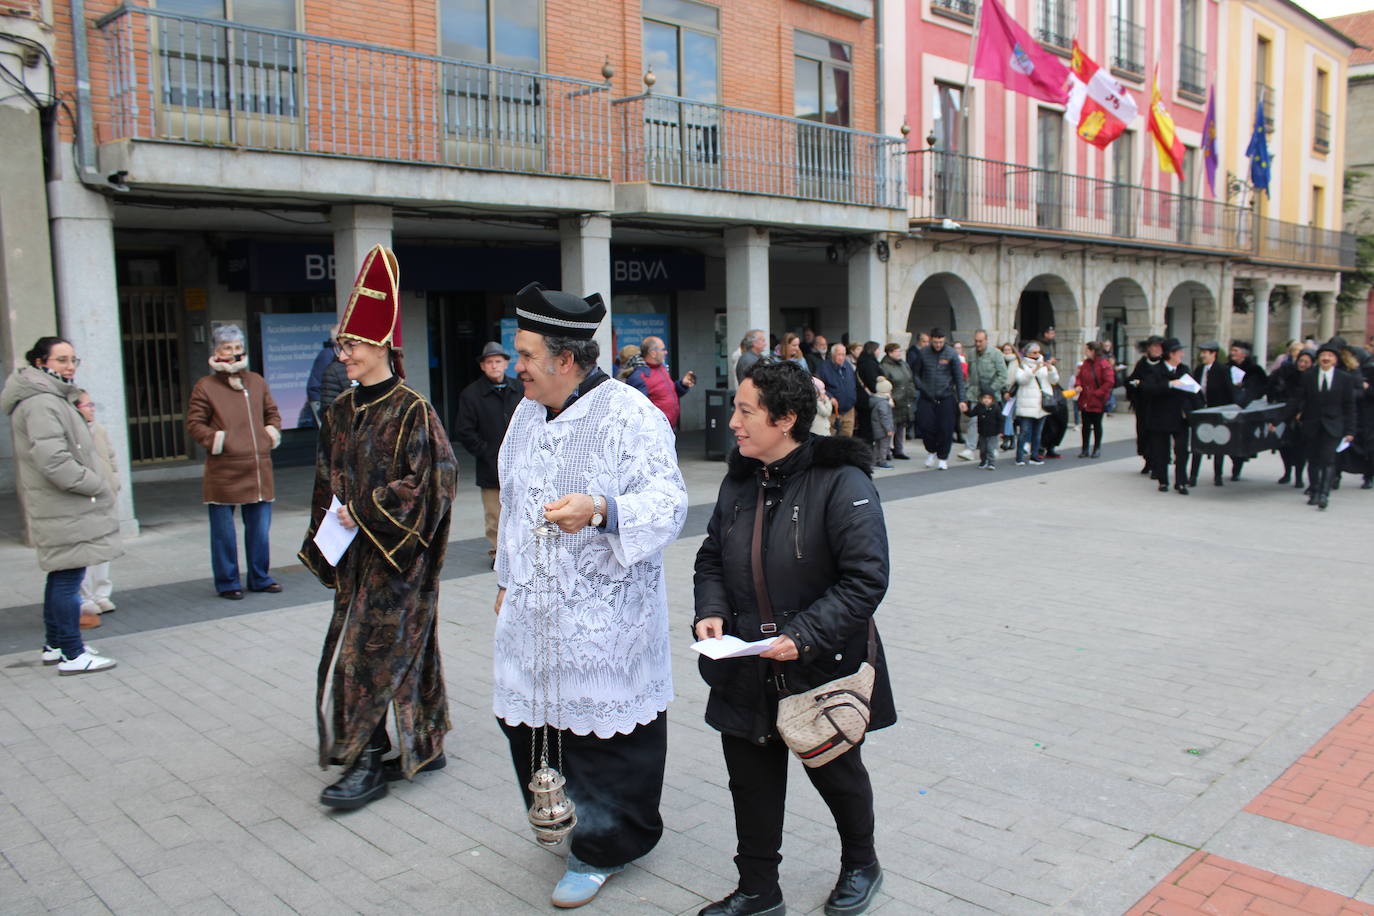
391,464
615,668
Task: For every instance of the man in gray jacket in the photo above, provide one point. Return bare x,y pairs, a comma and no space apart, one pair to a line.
987,374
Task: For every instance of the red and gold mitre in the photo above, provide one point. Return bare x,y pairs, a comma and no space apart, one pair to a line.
373,314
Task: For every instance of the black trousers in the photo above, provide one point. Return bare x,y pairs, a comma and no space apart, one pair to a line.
1159,455
758,784
936,421
1092,426
1320,452
615,782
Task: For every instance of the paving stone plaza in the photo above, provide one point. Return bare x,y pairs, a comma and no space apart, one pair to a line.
1111,701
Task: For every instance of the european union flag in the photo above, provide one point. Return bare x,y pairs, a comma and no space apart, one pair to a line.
1258,151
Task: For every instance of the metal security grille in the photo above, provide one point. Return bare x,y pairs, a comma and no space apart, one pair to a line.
155,396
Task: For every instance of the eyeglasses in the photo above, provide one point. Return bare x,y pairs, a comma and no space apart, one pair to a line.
65,360
344,347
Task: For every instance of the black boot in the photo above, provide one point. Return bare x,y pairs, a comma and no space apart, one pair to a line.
854,891
1368,482
1287,474
392,768
1097,452
361,783
1216,481
741,904
1336,481
1297,479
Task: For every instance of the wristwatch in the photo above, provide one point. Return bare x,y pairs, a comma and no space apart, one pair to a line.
598,511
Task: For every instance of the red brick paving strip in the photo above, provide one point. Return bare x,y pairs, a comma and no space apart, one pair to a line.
1331,787
1214,886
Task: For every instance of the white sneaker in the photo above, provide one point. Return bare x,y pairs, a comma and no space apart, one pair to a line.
52,656
943,465
90,607
930,461
966,454
85,663
106,605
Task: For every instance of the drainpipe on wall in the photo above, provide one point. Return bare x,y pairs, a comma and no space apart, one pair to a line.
878,54
85,136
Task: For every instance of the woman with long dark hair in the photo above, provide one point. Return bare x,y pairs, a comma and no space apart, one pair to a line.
799,514
1095,380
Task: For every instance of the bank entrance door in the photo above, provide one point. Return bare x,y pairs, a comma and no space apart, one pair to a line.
150,327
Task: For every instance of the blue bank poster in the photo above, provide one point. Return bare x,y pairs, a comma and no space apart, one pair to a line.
508,330
290,344
633,327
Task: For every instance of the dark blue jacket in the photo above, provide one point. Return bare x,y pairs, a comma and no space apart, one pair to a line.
840,383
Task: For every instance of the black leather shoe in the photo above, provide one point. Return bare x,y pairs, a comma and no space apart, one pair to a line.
1368,484
1096,453
902,457
1311,499
1083,454
1321,503
1192,481
361,783
1181,489
272,589
741,904
1336,482
1164,488
1216,481
854,891
234,594
392,768
1297,482
1235,475
1285,478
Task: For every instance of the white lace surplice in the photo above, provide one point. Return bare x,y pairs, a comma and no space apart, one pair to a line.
609,588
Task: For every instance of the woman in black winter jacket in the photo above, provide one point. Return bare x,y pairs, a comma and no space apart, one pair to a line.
825,563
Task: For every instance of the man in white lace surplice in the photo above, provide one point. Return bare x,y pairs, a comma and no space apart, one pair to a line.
617,670
596,458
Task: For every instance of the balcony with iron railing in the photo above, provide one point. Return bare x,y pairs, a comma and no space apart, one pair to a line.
985,194
184,79
1192,72
1055,24
682,143
960,10
1321,132
1128,48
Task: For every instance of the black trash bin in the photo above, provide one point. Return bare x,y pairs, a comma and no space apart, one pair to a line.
720,403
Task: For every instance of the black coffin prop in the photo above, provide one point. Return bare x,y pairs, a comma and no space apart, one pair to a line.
1239,432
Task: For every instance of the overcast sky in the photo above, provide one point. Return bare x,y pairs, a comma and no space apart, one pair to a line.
1324,9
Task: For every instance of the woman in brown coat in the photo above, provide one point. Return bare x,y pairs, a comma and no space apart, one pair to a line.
233,417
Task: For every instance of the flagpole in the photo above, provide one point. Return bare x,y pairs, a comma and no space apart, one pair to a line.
968,73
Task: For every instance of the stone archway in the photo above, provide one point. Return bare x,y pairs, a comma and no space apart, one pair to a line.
1123,312
944,300
1190,314
1046,301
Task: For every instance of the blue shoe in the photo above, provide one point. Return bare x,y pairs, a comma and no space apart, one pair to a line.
580,883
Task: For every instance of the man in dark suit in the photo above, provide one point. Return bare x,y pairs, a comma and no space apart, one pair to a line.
1167,406
1326,407
1210,377
1240,381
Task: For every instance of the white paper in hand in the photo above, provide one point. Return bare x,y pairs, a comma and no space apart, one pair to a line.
1237,375
1345,444
331,537
1187,383
731,647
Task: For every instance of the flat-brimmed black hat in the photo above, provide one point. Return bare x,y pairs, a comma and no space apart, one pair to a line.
1154,340
1172,344
1243,344
1330,346
555,313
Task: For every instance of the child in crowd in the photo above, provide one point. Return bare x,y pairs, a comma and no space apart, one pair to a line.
96,587
989,417
821,425
880,408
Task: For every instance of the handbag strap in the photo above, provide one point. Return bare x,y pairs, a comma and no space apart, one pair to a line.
767,626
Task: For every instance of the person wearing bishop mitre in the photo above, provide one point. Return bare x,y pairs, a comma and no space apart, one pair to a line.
581,661
385,470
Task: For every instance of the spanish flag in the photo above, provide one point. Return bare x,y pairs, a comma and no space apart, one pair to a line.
1161,125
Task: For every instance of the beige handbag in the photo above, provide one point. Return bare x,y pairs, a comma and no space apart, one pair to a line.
824,722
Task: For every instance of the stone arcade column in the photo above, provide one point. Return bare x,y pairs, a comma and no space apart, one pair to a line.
867,294
357,227
1294,312
746,283
1260,288
585,244
88,314
1326,327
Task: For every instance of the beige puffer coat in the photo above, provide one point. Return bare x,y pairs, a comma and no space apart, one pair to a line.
69,505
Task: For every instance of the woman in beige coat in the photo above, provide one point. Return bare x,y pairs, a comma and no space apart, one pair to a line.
69,505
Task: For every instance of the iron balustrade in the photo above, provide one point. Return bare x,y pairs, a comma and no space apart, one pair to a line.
963,10
1192,71
207,81
680,142
990,194
1321,132
1128,47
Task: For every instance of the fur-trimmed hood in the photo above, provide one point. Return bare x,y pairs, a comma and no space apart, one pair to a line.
820,451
